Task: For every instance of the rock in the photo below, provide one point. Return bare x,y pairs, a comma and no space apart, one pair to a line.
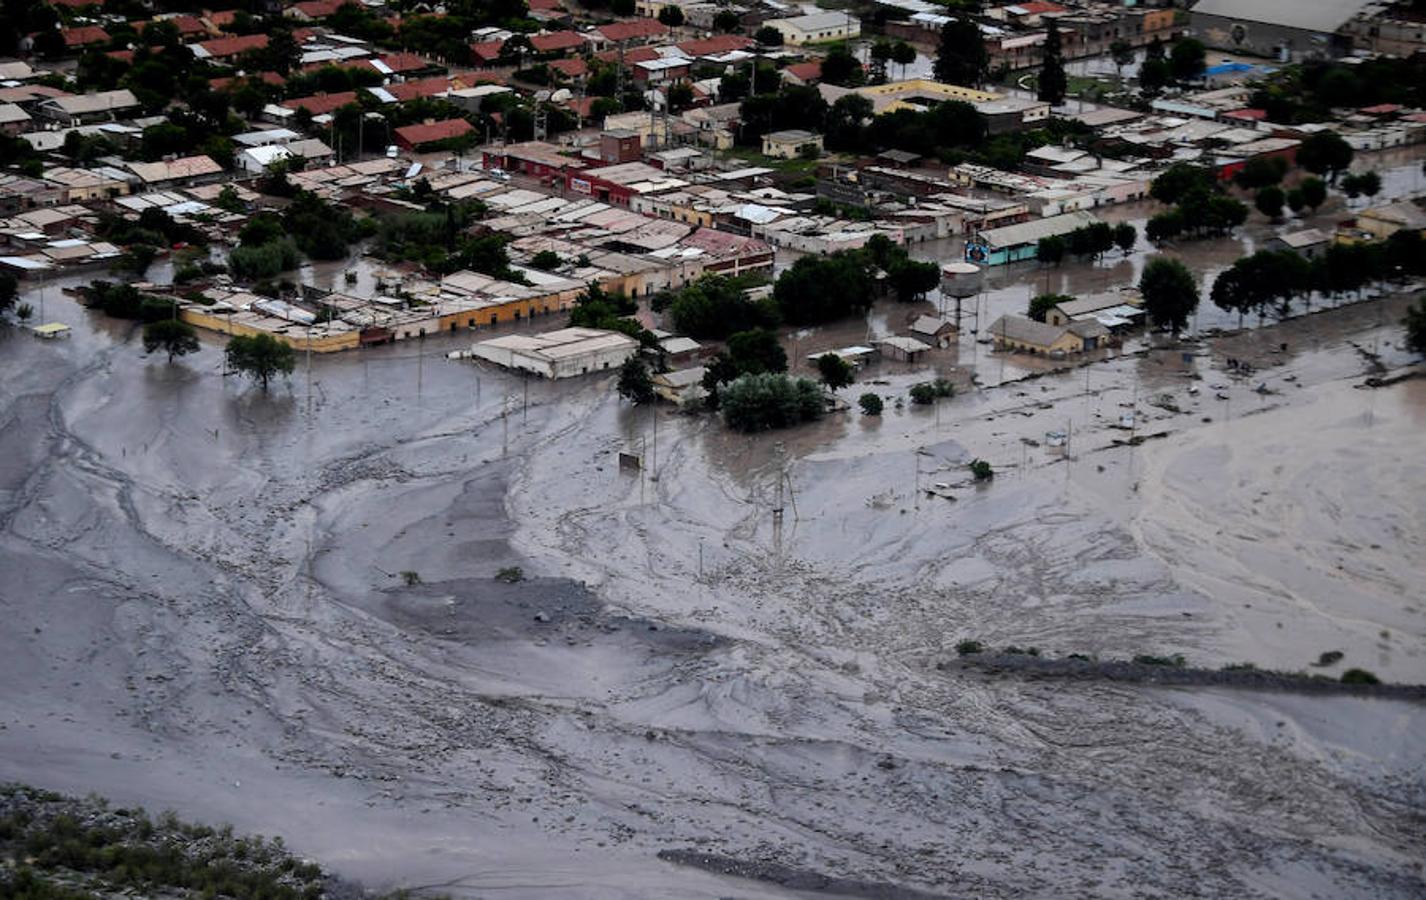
541,617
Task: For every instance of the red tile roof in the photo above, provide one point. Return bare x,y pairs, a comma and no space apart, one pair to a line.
421,87
222,48
806,72
570,68
223,84
487,51
631,56
222,18
582,106
555,41
1039,7
631,30
186,25
320,104
84,35
416,135
1381,109
404,62
318,9
718,43
1247,115
551,5
125,56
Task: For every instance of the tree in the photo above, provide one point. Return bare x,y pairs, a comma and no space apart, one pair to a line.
768,36
880,55
1153,75
1170,294
1415,323
635,384
1053,81
24,311
725,20
823,288
715,306
1125,237
1041,305
1325,153
1314,192
846,122
1187,59
961,57
910,279
903,54
671,17
545,261
1181,179
1295,200
836,372
172,336
762,402
1122,53
1269,202
871,404
757,351
841,68
680,97
260,357
1261,171
1050,249
1164,226
1355,185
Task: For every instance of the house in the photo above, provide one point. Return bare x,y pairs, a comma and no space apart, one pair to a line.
816,27
903,349
1013,243
664,70
564,353
1022,335
415,137
620,145
936,332
788,144
312,10
680,386
1309,243
321,104
84,36
313,151
1115,313
805,73
176,172
13,119
557,43
229,47
255,160
625,33
84,185
678,350
79,109
1381,222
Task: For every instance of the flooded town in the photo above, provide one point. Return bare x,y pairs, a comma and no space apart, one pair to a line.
605,448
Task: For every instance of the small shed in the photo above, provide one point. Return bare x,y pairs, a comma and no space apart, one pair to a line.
903,349
936,332
680,385
788,144
1309,243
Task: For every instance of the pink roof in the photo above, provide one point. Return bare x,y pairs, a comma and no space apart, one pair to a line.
318,9
631,56
487,51
1251,115
404,62
556,40
1381,109
1039,7
550,5
422,87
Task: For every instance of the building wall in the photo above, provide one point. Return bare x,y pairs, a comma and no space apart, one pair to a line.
1065,343
797,37
220,324
1260,39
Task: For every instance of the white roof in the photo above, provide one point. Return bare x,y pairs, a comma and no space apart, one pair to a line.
268,154
268,136
1309,15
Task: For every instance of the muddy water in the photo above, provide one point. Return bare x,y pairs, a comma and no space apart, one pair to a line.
207,609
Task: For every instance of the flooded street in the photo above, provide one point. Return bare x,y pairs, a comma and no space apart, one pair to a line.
282,612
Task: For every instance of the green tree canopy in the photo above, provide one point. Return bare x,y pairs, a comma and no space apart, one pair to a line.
172,336
260,357
1169,291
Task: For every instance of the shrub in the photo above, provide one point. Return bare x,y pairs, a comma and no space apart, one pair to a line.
263,260
981,470
966,648
411,578
1174,661
871,404
1359,676
510,574
923,394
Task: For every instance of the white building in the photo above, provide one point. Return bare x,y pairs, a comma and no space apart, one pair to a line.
559,354
817,27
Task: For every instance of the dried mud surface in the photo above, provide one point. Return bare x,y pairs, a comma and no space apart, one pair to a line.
205,610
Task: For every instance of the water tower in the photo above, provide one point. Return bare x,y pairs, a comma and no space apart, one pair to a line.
960,281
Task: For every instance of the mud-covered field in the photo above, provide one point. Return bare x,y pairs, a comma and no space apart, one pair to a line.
282,612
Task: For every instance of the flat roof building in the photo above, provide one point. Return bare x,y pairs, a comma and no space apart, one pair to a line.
559,354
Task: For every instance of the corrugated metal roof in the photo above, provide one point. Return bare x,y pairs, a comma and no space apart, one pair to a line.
1309,15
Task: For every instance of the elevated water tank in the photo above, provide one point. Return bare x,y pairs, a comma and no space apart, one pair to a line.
960,279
